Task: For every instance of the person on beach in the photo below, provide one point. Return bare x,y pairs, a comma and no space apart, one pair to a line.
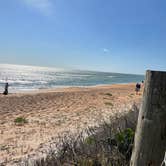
6,89
142,84
137,88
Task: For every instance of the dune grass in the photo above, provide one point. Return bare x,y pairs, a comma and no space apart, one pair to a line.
109,144
108,94
109,104
20,121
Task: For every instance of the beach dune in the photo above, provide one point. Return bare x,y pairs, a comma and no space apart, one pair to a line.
49,113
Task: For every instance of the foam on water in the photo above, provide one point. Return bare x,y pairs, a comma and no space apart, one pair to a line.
23,78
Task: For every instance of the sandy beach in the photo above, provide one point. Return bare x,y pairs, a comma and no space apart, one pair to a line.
49,113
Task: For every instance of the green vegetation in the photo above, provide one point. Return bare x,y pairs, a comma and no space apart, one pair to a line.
125,136
124,141
4,147
20,121
108,94
109,104
90,140
109,144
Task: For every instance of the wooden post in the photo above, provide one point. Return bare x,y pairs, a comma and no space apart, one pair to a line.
150,138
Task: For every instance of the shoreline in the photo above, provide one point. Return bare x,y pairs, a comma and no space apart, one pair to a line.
63,88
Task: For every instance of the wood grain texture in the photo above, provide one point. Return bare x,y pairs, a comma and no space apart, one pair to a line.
150,138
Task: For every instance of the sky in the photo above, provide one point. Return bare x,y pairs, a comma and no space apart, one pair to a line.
126,36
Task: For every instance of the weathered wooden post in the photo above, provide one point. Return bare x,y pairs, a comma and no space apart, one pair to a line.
150,138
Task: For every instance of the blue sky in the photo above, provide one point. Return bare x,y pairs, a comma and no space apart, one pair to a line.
126,36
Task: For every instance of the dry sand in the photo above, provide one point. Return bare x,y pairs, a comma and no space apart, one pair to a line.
51,112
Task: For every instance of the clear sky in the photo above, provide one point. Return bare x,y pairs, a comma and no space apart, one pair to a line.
126,36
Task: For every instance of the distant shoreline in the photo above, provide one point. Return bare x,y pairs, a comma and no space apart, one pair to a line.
63,88
28,78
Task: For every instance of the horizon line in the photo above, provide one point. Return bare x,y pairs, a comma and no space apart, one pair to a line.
67,68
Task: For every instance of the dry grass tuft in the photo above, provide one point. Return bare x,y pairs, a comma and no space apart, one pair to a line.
109,144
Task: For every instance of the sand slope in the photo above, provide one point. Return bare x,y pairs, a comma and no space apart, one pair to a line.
51,112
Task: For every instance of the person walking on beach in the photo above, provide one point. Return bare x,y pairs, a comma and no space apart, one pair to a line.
142,83
6,89
137,88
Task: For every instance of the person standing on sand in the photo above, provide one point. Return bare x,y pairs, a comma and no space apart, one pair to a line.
6,89
142,83
137,88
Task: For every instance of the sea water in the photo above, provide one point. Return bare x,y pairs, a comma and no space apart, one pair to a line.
27,78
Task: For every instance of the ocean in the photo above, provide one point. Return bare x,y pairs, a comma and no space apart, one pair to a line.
28,78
